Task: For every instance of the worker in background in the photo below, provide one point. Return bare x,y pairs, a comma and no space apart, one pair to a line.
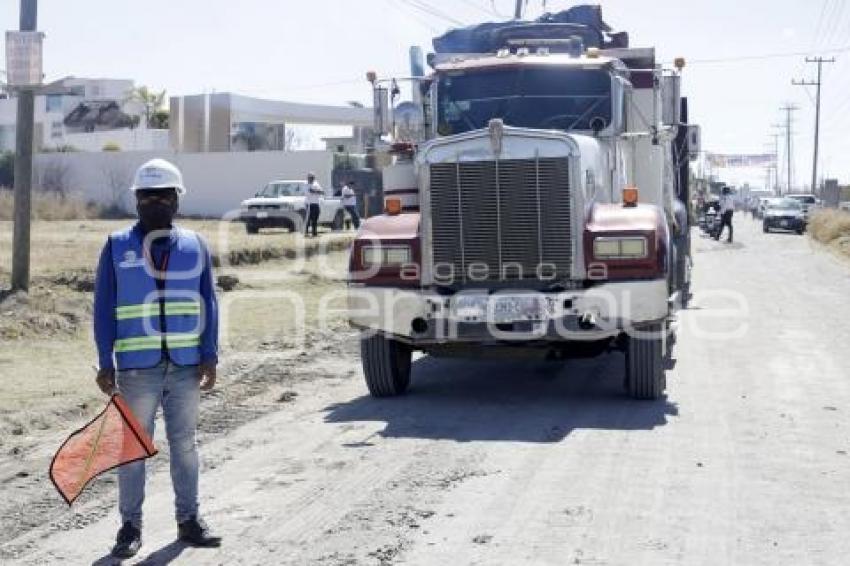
156,328
727,208
349,202
314,197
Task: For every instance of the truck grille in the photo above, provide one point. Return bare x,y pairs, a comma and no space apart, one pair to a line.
510,216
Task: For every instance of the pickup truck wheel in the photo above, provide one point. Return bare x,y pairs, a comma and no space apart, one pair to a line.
765,228
386,365
645,363
251,228
338,222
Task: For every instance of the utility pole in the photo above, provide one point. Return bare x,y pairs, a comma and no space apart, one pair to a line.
789,109
518,9
775,147
23,167
820,61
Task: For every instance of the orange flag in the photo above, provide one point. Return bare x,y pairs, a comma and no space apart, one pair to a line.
111,439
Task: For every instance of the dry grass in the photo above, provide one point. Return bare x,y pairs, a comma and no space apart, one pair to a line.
49,206
67,247
831,227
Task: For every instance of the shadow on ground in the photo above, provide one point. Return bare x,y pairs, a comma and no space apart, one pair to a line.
466,400
165,555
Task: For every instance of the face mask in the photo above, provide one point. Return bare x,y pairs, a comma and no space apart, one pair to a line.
155,215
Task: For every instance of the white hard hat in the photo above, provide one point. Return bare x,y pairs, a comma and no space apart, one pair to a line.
159,174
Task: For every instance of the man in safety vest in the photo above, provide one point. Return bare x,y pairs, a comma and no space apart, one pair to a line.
155,312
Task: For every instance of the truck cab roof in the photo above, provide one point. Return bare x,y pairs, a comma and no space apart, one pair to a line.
490,61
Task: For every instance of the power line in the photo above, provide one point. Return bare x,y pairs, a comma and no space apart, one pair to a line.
819,27
787,54
415,16
491,12
835,21
420,5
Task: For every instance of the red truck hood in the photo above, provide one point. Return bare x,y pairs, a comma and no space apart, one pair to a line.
616,217
402,226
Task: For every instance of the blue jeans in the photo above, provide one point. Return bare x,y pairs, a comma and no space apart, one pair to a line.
177,390
355,218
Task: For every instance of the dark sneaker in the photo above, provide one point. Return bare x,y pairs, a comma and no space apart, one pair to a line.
128,542
195,532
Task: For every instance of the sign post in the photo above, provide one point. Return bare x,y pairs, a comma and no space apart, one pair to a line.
24,73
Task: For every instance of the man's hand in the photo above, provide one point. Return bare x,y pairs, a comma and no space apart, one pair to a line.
106,380
207,374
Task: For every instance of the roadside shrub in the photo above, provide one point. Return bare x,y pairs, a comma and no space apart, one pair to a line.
828,225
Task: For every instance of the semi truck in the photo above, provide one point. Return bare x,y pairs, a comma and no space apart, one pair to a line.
538,209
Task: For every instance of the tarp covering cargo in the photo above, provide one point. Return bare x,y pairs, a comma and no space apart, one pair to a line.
584,22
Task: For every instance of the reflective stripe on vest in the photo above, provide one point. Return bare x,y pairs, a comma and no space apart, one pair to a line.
173,341
152,309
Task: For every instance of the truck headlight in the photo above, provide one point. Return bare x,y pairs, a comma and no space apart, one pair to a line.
385,255
629,247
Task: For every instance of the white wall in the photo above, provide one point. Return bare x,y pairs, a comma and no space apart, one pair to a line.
216,182
138,139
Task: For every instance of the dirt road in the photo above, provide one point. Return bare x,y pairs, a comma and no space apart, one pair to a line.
745,461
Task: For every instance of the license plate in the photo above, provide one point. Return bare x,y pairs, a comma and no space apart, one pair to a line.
498,309
783,223
262,214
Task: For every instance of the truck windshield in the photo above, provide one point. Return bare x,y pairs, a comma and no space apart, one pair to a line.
562,99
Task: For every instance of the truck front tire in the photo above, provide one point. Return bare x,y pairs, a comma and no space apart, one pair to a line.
251,228
386,365
645,363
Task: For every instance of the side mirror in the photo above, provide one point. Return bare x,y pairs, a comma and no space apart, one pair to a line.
694,142
621,103
382,110
671,94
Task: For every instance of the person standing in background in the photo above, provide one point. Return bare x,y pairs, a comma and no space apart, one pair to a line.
349,202
314,197
727,208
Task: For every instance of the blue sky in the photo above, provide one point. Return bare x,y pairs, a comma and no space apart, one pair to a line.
319,51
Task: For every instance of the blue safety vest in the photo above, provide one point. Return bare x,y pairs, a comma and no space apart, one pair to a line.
141,308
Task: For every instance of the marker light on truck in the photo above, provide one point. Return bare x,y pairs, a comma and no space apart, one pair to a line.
632,247
385,255
392,206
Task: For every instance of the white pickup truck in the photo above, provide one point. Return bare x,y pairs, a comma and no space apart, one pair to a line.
283,204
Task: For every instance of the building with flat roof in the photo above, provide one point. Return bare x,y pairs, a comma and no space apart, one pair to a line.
231,122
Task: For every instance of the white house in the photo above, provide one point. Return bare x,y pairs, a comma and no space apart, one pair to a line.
86,114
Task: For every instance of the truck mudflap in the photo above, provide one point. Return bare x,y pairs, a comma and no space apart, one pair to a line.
424,317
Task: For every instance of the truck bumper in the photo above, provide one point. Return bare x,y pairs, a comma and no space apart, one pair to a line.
426,318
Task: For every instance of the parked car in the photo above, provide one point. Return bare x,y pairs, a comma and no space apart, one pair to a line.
762,205
784,214
809,203
283,204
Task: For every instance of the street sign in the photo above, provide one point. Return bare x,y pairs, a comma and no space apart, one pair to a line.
24,58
